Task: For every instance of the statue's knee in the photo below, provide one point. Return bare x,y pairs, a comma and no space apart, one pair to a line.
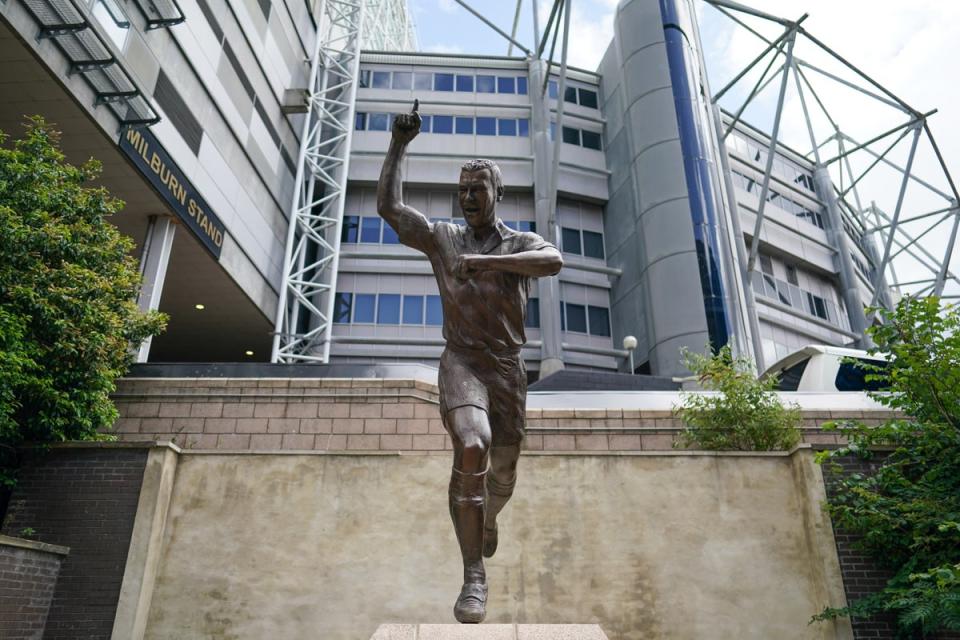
473,454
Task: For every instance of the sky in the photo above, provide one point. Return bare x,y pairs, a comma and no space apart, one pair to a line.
909,47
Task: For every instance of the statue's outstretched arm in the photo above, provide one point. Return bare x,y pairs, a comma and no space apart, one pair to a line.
411,225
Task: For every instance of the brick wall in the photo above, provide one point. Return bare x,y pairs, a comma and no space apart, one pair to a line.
28,575
330,414
85,499
862,574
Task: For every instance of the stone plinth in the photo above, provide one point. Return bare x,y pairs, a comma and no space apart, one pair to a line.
489,632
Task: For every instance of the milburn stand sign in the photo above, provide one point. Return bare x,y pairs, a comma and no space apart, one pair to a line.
155,163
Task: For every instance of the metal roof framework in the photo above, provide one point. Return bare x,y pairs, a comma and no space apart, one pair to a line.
304,322
833,151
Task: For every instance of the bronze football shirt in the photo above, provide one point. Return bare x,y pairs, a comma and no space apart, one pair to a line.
488,310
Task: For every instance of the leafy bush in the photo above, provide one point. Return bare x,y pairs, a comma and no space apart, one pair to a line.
908,512
746,415
68,287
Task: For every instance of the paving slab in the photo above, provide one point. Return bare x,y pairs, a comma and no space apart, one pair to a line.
489,632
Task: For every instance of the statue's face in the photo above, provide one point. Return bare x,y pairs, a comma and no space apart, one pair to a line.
478,198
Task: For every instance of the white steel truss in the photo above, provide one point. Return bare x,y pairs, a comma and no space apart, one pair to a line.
388,26
305,311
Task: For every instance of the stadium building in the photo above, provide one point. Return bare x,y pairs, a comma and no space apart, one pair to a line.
246,139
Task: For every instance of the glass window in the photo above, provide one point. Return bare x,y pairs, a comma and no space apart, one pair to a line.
552,89
792,274
570,94
388,308
599,321
486,84
853,372
112,19
443,82
464,124
422,81
364,305
389,235
465,83
571,135
402,80
349,229
370,229
527,225
434,311
425,124
507,126
523,127
571,240
533,313
378,122
591,139
511,224
783,292
506,85
360,121
766,264
412,309
576,318
522,86
381,80
588,98
443,124
341,307
563,321
593,244
553,130
364,78
486,126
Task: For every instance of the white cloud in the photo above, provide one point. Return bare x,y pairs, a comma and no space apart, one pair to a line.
444,48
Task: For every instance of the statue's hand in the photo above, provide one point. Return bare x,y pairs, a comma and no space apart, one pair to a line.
406,126
468,266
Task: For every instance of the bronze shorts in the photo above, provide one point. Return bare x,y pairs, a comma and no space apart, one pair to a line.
494,382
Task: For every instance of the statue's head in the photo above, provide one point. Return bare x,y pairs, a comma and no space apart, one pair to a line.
481,187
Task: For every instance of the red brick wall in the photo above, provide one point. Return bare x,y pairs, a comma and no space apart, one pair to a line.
371,415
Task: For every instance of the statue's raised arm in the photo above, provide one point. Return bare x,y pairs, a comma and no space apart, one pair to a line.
411,226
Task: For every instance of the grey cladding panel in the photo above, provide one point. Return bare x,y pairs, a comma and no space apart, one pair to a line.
211,19
177,110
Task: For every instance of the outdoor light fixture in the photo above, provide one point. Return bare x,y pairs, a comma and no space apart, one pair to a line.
248,352
199,307
630,343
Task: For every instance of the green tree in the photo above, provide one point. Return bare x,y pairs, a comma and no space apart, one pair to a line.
68,286
908,512
745,415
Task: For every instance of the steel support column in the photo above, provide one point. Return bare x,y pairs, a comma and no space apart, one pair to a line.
551,348
153,269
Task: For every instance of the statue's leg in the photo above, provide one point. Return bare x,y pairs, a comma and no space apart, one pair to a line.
501,479
469,429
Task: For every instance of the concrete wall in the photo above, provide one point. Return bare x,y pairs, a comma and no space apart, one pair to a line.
662,545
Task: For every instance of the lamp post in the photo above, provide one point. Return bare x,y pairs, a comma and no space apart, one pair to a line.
630,343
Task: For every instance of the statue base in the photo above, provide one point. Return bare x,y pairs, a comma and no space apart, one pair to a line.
489,632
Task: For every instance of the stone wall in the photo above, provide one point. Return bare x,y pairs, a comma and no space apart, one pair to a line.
331,414
84,498
28,575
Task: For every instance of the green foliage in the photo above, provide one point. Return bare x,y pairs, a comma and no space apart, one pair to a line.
746,415
908,511
68,287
